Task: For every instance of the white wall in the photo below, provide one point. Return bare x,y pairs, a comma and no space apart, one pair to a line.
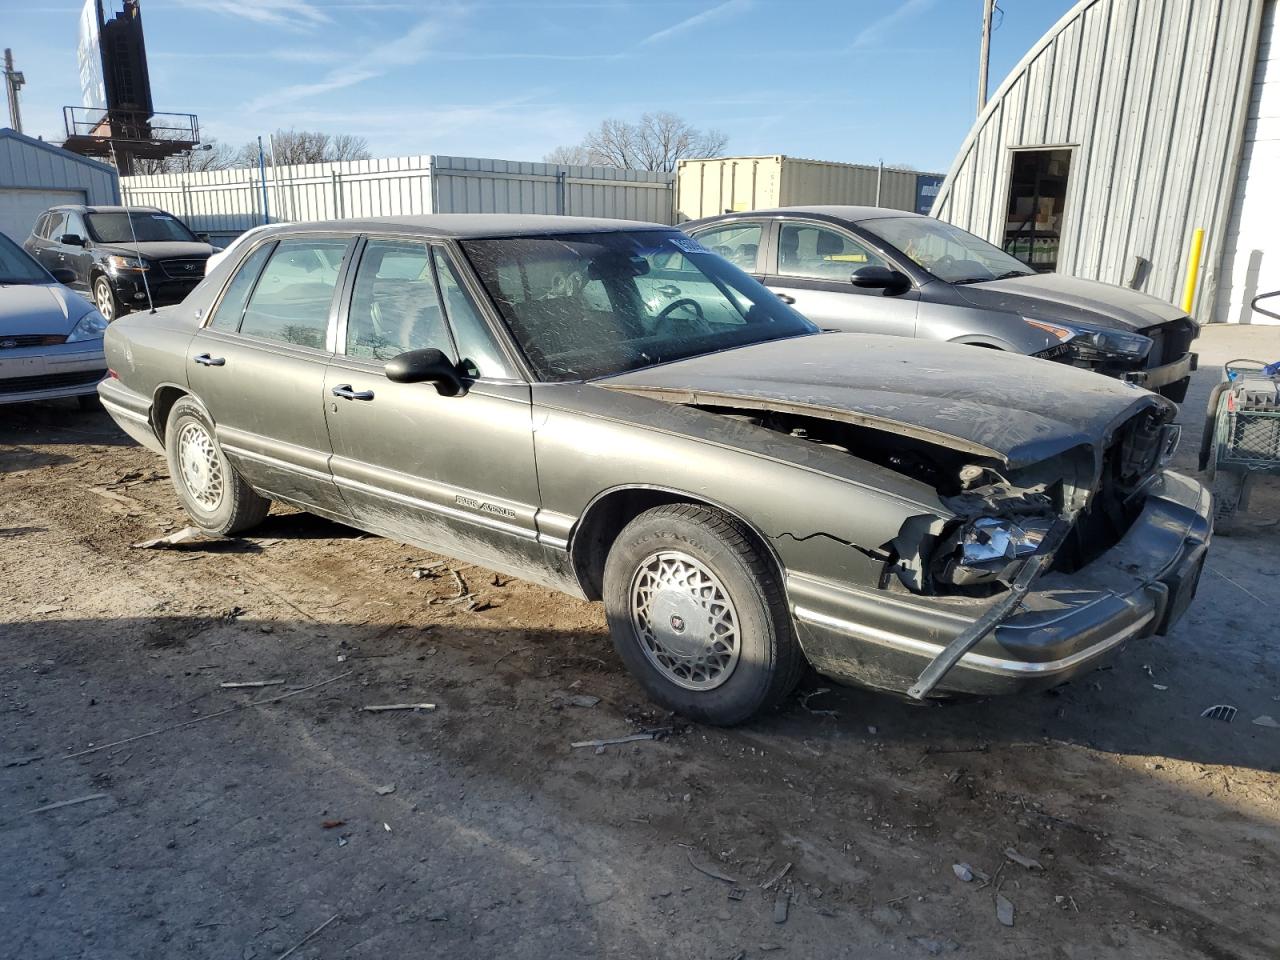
1251,258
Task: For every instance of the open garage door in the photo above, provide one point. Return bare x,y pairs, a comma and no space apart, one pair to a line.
19,208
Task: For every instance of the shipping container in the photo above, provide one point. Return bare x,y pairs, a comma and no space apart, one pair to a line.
705,188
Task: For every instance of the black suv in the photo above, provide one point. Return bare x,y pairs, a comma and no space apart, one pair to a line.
120,255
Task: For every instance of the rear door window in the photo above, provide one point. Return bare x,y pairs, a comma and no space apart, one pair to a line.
293,297
739,243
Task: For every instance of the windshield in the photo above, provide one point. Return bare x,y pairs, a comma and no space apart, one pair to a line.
147,227
17,266
592,305
946,251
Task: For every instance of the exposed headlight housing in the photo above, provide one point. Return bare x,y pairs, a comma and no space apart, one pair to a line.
91,327
985,549
1107,343
128,264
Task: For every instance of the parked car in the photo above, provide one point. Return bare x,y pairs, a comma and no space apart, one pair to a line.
121,259
606,408
50,337
874,270
221,254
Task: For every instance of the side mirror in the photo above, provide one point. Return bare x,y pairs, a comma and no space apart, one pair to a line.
425,366
72,239
64,276
203,238
873,277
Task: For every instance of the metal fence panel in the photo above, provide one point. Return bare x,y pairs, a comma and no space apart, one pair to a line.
224,203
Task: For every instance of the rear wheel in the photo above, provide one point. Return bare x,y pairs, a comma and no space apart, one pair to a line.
216,498
697,614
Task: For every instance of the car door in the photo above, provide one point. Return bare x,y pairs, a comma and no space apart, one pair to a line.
812,263
258,365
451,473
48,246
77,257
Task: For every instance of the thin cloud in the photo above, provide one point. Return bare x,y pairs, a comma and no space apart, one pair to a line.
877,30
288,13
728,8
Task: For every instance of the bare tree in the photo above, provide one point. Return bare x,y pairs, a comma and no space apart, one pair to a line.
571,156
209,155
305,146
658,141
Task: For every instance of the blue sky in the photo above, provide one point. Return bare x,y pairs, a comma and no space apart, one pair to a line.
850,80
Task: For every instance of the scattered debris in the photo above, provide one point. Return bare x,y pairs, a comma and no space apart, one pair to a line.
1004,910
806,697
938,751
117,497
208,716
1022,861
242,684
22,762
66,803
386,827
333,824
42,611
561,698
1266,721
427,570
1220,711
773,881
294,949
185,535
737,893
710,871
780,905
966,873
385,790
1159,686
599,745
383,707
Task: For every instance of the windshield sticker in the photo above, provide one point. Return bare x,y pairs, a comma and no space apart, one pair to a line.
161,216
688,245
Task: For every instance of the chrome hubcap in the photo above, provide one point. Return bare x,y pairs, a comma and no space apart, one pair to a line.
106,305
685,621
201,466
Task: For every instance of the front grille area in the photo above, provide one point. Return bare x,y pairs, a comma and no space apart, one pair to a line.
51,381
19,341
1172,341
183,268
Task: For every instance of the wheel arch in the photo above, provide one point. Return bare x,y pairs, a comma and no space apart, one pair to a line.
981,340
162,401
611,510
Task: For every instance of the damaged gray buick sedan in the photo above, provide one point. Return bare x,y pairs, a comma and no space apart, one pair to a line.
608,409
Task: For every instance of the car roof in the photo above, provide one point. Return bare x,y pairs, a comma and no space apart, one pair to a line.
82,208
471,225
833,212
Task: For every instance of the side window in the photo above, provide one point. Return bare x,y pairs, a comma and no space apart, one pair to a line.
291,301
75,224
821,254
394,306
231,308
42,221
54,227
739,243
476,345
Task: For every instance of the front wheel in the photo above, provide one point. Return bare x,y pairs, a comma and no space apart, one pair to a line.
216,498
104,298
697,614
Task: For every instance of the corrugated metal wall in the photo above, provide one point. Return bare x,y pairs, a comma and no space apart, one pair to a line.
224,203
705,188
35,175
1251,260
1150,94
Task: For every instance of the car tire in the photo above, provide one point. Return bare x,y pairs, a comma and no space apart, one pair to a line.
104,298
698,615
214,495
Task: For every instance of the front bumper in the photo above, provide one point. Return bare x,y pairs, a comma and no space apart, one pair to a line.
131,291
1067,624
1154,378
49,373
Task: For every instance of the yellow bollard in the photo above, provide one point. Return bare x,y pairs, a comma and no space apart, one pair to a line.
1193,270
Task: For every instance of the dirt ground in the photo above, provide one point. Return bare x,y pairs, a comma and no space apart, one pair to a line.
829,829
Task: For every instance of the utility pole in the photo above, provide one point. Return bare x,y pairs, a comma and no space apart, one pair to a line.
984,56
13,82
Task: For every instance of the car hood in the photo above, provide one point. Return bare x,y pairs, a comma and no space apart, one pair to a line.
1012,408
158,250
1052,296
39,308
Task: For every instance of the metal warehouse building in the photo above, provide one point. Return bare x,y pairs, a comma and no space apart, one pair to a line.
1128,126
35,175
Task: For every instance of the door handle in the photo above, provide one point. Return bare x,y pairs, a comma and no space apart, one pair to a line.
344,390
207,361
785,298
